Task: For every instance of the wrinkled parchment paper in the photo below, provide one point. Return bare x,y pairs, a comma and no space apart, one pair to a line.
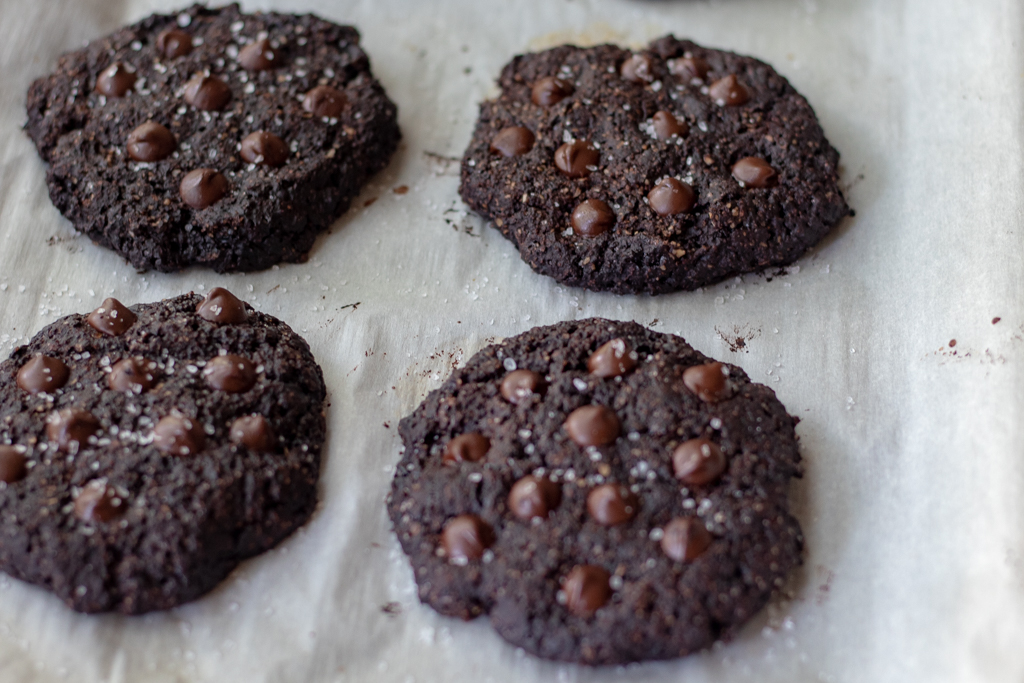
912,499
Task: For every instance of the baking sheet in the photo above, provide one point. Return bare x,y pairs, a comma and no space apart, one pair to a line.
911,504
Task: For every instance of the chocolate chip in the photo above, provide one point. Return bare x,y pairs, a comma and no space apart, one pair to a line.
469,447
728,92
115,80
202,187
221,306
592,218
688,68
667,125
586,589
324,101
708,381
255,433
593,425
70,428
685,539
755,172
466,538
43,373
263,147
671,196
230,373
612,359
550,90
611,504
173,43
532,497
698,462
97,502
12,464
637,69
521,385
259,56
132,374
512,141
208,93
112,318
179,435
574,159
150,142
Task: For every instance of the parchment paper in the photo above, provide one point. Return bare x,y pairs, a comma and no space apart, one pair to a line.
911,504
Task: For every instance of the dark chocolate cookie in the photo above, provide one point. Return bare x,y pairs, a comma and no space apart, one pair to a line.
212,137
606,493
655,171
146,451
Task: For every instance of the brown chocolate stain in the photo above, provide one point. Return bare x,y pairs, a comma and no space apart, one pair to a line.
597,33
442,165
739,338
369,201
826,587
401,189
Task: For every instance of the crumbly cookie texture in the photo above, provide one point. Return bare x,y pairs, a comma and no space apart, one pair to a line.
655,171
605,493
212,137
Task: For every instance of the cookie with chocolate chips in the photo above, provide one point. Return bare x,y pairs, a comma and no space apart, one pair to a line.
212,137
146,450
625,497
654,171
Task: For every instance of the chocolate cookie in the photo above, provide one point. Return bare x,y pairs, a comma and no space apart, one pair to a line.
146,451
212,137
655,171
604,492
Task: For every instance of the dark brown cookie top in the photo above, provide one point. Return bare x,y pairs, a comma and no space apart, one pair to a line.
128,122
655,171
165,450
632,505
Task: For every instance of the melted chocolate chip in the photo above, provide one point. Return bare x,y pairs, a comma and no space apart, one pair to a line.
112,318
150,142
115,81
466,538
43,373
667,125
688,68
612,359
593,425
70,428
685,539
586,589
521,385
671,196
12,464
132,374
173,43
207,93
221,306
259,56
574,159
755,172
230,373
202,187
592,218
728,92
263,147
255,433
512,141
324,101
698,462
637,69
708,381
550,90
611,504
97,502
534,497
470,447
179,435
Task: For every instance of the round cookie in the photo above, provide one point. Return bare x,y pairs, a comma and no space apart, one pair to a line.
661,170
605,493
146,451
212,137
